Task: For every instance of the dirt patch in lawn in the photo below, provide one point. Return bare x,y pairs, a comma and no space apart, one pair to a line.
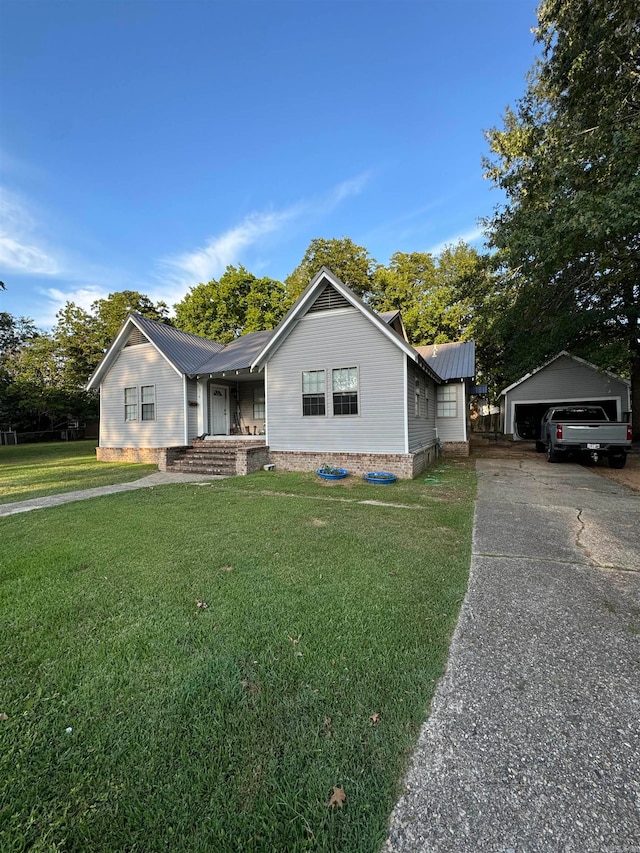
628,476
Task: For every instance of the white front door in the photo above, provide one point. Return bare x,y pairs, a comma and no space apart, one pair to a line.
218,408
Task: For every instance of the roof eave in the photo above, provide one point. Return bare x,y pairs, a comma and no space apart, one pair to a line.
307,296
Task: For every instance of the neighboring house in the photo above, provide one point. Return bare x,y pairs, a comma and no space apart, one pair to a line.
564,380
334,383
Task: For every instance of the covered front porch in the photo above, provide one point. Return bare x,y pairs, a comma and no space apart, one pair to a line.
231,406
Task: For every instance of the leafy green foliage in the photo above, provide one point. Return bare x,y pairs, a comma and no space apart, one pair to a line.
567,159
351,263
42,376
238,303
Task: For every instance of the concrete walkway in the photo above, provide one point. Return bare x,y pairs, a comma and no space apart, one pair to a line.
160,478
533,743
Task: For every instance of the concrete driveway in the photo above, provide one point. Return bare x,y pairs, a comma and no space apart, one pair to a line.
533,743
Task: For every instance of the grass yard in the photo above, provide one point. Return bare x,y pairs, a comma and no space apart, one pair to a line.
33,470
139,719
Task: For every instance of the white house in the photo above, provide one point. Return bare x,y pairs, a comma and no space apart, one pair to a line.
333,383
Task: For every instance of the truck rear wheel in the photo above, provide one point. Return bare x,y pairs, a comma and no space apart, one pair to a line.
552,455
617,460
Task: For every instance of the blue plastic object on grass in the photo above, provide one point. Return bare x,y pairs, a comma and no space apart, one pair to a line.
332,473
380,478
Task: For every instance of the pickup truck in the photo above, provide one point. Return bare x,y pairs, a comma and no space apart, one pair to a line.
584,431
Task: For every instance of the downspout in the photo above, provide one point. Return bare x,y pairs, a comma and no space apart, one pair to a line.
406,404
465,408
266,409
186,409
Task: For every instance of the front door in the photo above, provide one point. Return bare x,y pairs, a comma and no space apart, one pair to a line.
218,408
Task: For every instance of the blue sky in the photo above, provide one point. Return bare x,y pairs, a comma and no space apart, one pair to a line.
146,144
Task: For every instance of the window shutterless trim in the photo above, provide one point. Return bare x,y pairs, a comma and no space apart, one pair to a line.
447,402
345,396
314,387
131,404
148,402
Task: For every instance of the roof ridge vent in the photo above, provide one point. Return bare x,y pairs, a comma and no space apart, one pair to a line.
328,299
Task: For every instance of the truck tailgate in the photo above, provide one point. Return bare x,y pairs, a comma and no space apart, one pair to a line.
602,433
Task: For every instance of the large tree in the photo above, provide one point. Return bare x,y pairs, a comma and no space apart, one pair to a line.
351,263
237,303
83,336
568,160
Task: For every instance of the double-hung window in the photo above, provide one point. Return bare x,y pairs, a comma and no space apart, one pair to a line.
416,399
131,404
258,404
313,392
148,401
447,401
344,384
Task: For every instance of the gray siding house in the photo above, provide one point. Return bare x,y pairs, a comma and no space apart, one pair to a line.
564,380
334,383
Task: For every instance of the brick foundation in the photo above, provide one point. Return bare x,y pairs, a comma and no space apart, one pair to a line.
159,456
251,459
454,448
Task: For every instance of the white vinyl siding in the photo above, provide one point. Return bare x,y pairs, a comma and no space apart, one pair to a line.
451,428
566,381
447,397
422,429
338,339
192,409
139,366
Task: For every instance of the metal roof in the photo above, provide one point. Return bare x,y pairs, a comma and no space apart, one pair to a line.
184,350
238,355
451,361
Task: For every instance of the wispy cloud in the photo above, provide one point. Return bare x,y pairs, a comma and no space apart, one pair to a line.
471,236
20,249
209,261
54,298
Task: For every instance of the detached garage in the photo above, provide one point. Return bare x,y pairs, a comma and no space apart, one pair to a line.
563,381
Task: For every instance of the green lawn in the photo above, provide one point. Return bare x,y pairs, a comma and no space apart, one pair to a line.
33,470
140,721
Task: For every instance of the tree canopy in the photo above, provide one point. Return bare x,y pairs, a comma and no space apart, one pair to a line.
237,303
351,263
568,160
43,376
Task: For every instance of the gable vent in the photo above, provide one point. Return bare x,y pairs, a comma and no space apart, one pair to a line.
328,299
136,337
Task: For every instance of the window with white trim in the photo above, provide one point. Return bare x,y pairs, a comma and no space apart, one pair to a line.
344,384
416,397
131,404
258,404
447,401
313,392
148,402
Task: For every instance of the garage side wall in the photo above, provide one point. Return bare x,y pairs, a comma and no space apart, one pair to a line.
566,381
